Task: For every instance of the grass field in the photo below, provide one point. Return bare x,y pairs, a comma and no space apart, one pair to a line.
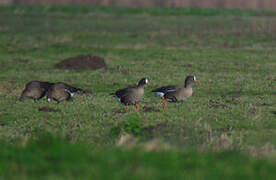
51,158
233,108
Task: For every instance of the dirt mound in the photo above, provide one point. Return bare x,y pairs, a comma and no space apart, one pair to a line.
82,62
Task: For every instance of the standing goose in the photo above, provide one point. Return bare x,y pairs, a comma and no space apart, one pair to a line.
132,94
63,92
174,93
35,90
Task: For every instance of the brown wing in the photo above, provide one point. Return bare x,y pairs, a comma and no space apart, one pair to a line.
124,95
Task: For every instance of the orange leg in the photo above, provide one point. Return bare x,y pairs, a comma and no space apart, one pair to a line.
126,108
164,102
136,106
64,101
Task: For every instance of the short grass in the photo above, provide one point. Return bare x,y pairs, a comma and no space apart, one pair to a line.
231,52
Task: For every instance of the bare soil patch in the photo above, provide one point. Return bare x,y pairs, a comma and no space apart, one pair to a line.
150,109
48,109
82,62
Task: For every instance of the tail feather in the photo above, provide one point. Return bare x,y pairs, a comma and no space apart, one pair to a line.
74,90
82,91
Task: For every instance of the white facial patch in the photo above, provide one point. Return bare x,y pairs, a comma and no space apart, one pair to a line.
147,80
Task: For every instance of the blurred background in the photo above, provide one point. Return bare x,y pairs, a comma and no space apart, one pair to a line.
254,4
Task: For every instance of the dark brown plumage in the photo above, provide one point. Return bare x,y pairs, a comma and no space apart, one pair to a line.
35,90
132,94
63,92
174,93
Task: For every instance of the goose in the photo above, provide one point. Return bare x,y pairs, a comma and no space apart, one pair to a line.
173,93
132,94
35,90
63,92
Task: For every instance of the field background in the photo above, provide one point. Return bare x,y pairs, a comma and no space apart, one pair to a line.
255,4
233,109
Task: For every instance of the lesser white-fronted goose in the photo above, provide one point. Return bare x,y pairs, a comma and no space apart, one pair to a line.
63,92
35,90
132,94
174,93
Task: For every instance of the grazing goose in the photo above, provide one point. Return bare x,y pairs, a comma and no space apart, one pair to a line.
63,92
174,93
132,94
35,90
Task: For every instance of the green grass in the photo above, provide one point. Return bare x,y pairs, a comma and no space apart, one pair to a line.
38,157
231,52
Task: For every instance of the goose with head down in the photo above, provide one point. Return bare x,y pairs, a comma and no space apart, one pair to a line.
63,92
35,90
